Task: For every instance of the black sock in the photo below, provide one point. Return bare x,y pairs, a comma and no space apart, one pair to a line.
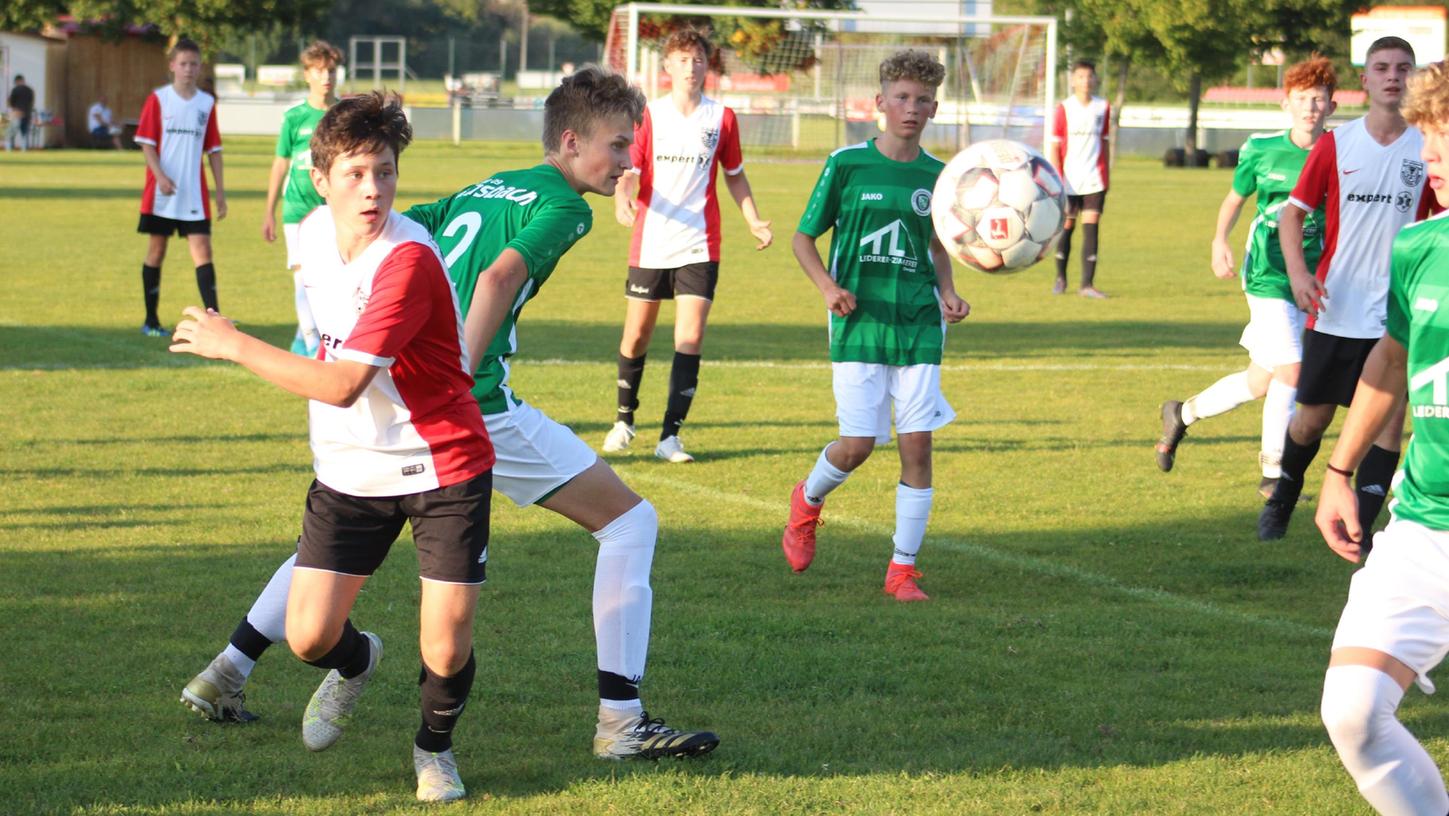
206,284
1374,475
443,700
249,641
1064,251
1296,459
631,374
350,656
1089,254
151,291
683,380
617,687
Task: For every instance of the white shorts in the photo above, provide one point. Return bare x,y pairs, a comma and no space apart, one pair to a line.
1399,602
865,393
289,237
536,455
1274,334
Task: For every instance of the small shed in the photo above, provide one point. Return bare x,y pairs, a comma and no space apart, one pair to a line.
126,68
41,60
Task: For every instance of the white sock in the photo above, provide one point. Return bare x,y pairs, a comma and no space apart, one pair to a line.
306,326
913,510
823,478
623,599
243,663
1392,770
1218,398
1277,413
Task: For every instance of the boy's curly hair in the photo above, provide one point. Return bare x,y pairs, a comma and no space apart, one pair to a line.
913,65
370,123
1315,72
1426,106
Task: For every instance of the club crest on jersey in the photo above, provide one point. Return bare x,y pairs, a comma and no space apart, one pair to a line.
1412,172
709,137
359,299
1403,201
921,202
201,122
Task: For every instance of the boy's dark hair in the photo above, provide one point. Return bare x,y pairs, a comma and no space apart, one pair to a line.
183,44
1085,63
917,66
1386,43
19,78
321,52
686,39
370,123
584,97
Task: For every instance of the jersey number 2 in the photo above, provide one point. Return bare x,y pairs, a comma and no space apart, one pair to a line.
470,223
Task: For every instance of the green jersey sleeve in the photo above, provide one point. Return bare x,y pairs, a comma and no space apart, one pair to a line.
284,139
429,215
549,234
824,205
1245,177
1403,266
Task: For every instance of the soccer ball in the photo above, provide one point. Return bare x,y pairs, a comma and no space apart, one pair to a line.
998,206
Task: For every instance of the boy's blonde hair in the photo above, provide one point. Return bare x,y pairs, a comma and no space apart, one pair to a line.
1427,104
321,52
917,66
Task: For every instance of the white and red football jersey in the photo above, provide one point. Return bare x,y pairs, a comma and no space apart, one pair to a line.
183,131
1368,192
1080,134
675,156
416,427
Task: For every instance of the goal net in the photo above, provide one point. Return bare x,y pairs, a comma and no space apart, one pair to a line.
807,80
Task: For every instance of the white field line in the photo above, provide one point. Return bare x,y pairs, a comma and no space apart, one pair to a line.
1026,563
825,366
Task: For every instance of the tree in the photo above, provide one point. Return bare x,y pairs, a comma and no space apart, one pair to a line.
201,20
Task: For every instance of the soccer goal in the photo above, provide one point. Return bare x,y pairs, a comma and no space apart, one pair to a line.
807,80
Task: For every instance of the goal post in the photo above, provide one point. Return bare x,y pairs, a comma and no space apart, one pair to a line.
807,79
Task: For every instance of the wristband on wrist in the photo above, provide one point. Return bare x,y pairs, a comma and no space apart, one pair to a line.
1347,474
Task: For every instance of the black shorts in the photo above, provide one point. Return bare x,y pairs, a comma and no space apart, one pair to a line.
352,534
1092,202
1331,368
691,280
160,225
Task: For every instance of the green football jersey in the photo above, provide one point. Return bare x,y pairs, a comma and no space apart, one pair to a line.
294,144
533,212
1268,165
1418,317
880,251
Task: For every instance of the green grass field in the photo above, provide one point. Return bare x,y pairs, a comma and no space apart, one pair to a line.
1103,638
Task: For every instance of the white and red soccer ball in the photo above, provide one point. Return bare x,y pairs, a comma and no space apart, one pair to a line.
998,206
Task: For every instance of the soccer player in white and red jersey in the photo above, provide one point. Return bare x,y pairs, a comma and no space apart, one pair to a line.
1369,179
396,436
177,128
1394,629
671,203
1079,132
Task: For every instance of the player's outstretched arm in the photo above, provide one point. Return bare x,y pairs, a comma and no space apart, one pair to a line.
626,208
1222,252
208,334
740,189
497,287
214,158
280,167
839,301
1308,291
1380,390
953,307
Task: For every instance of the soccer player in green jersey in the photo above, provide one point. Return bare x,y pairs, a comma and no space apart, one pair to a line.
889,292
501,240
291,178
1395,629
1268,167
